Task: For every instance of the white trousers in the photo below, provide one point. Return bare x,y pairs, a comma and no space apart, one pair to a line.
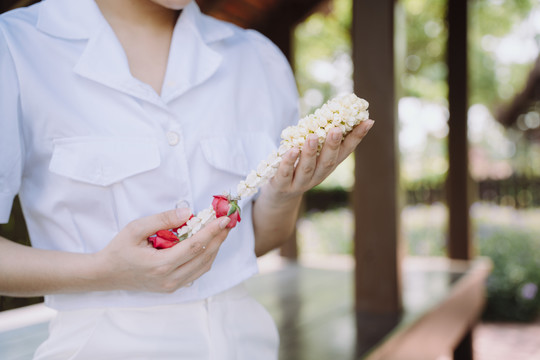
228,326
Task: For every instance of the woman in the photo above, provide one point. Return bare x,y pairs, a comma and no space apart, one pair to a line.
113,112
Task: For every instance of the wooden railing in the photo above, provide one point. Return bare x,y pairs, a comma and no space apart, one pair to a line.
516,191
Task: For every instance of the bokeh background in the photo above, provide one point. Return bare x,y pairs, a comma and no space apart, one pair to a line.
504,43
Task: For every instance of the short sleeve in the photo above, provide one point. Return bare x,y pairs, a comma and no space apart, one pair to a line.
285,92
11,153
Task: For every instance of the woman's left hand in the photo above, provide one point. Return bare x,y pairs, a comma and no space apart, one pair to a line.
291,182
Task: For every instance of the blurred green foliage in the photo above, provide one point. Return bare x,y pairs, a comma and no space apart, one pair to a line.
513,285
323,66
493,82
323,39
510,237
328,232
325,36
426,71
425,67
424,228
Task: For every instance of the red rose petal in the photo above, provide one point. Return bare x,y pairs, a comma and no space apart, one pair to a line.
161,243
235,218
221,205
167,234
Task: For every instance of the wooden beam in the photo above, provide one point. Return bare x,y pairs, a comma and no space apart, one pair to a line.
281,34
521,102
290,12
6,5
264,16
457,184
375,195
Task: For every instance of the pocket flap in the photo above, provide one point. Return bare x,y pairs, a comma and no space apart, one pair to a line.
239,153
103,161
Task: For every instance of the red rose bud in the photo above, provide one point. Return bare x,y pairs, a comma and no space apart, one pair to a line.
220,205
163,239
225,206
235,217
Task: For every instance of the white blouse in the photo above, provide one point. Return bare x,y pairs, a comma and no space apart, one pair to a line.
89,148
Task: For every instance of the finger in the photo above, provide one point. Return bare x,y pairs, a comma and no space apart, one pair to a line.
146,226
199,265
198,243
193,262
307,163
185,274
353,139
284,174
328,159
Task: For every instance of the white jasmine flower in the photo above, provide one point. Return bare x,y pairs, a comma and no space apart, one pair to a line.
247,192
261,168
206,215
321,133
193,222
299,142
283,148
242,189
265,170
252,179
183,230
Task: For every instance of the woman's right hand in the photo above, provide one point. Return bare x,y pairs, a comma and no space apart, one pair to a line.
129,262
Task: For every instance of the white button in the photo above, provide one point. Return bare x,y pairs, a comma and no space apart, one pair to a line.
173,138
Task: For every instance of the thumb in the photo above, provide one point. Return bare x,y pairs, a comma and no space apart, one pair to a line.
146,226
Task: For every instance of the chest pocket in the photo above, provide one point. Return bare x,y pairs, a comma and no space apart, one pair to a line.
103,161
237,153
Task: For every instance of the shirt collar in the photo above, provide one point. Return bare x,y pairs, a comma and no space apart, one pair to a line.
70,19
104,61
81,19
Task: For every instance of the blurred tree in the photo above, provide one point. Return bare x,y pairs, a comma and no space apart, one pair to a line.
493,79
322,55
323,65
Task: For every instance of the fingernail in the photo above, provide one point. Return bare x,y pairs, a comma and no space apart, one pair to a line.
293,154
370,124
336,135
183,213
313,141
223,223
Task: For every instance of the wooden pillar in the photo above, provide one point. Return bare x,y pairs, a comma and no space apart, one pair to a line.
458,187
457,184
375,195
464,350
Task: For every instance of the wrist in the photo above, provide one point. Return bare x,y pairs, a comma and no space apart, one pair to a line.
279,200
100,271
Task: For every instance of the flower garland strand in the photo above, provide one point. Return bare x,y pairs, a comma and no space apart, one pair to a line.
344,113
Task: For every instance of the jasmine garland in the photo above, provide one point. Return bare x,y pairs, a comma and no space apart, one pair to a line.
344,113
